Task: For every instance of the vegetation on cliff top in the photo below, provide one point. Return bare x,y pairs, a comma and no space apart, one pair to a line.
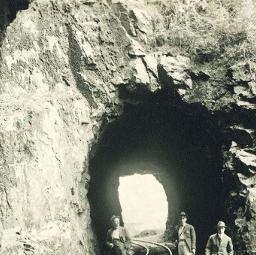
211,31
215,35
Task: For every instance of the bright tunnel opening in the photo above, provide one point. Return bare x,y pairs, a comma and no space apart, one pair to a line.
144,205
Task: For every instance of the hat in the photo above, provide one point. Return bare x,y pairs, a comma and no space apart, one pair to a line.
183,214
221,224
113,217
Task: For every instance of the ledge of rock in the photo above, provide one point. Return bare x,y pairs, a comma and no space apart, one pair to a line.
67,70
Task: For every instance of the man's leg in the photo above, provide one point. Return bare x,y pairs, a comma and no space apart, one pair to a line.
183,249
120,249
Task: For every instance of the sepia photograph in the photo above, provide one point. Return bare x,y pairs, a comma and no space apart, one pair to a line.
127,127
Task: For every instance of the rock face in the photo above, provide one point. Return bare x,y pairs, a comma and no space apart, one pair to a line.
66,69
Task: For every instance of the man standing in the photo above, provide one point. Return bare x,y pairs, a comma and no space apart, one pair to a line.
219,243
185,236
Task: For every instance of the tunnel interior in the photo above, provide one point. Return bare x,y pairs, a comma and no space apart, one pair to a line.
180,144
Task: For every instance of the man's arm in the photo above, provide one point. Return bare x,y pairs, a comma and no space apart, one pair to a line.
208,247
230,249
193,239
109,240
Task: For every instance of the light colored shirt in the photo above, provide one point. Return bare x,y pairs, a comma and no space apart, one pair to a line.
220,236
181,236
115,234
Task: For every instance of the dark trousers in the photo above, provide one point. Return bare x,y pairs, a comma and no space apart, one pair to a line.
119,248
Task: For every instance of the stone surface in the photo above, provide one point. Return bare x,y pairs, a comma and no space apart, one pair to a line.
242,72
136,49
140,74
61,69
40,166
176,69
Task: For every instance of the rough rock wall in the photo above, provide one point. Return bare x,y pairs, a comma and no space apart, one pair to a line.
62,66
60,61
47,126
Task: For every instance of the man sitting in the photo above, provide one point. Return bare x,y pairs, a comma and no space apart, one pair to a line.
118,238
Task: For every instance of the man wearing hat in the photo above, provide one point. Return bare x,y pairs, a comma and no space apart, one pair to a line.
118,238
219,243
185,236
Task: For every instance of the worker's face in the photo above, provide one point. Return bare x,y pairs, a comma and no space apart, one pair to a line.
221,230
116,223
183,220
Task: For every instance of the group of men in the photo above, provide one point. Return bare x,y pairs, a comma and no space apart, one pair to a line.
184,238
217,244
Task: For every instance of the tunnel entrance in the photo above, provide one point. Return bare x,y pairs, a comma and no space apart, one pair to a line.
182,146
144,205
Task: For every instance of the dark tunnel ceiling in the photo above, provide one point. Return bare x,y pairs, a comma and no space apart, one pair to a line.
182,145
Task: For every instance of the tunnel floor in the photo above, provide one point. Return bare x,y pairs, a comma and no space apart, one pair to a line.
181,145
